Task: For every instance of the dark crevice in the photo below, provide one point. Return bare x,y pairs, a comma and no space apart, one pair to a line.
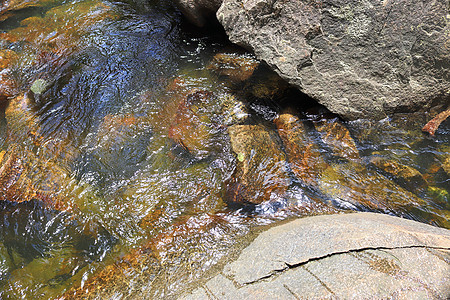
301,264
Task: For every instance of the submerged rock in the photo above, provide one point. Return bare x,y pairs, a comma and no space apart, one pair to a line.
8,89
405,175
237,68
8,86
9,5
358,58
336,136
261,172
265,84
303,154
24,177
350,185
233,110
193,126
118,147
178,256
23,127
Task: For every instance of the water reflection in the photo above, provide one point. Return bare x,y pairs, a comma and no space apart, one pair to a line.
135,156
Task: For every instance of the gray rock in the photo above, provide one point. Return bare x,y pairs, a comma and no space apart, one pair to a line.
359,58
198,11
351,256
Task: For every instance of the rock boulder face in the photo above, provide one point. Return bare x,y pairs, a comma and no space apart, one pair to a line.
351,256
358,58
198,11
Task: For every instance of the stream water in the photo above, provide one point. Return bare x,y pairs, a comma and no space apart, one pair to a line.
138,153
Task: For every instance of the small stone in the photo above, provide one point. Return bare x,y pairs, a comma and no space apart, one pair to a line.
39,86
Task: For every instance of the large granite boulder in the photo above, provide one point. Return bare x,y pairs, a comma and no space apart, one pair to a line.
351,256
358,58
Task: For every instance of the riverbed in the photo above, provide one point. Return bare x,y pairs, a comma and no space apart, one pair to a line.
139,153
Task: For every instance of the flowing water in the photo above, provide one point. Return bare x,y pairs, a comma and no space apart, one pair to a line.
138,153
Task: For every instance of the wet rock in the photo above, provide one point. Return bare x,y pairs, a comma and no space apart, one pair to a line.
233,110
115,278
193,126
237,68
336,136
198,12
405,175
444,158
446,165
119,146
359,59
23,127
261,172
47,246
303,154
265,84
9,88
50,38
11,5
7,59
441,195
433,125
23,178
353,185
156,200
58,27
350,185
163,261
362,255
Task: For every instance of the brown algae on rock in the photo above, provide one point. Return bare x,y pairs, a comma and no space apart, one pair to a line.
261,171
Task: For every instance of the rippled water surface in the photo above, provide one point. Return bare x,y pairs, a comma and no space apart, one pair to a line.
137,153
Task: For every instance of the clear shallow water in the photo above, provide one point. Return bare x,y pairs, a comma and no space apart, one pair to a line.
118,159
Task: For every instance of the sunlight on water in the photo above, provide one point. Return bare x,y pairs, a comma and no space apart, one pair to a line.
137,153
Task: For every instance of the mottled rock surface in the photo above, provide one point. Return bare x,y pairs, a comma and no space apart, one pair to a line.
303,154
261,173
236,67
361,255
358,58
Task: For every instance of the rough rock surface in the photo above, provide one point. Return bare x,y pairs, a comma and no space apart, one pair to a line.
358,58
198,11
351,256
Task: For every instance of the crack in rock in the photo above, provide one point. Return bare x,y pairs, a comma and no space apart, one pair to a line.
277,272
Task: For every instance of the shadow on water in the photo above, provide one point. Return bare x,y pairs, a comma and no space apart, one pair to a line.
30,233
